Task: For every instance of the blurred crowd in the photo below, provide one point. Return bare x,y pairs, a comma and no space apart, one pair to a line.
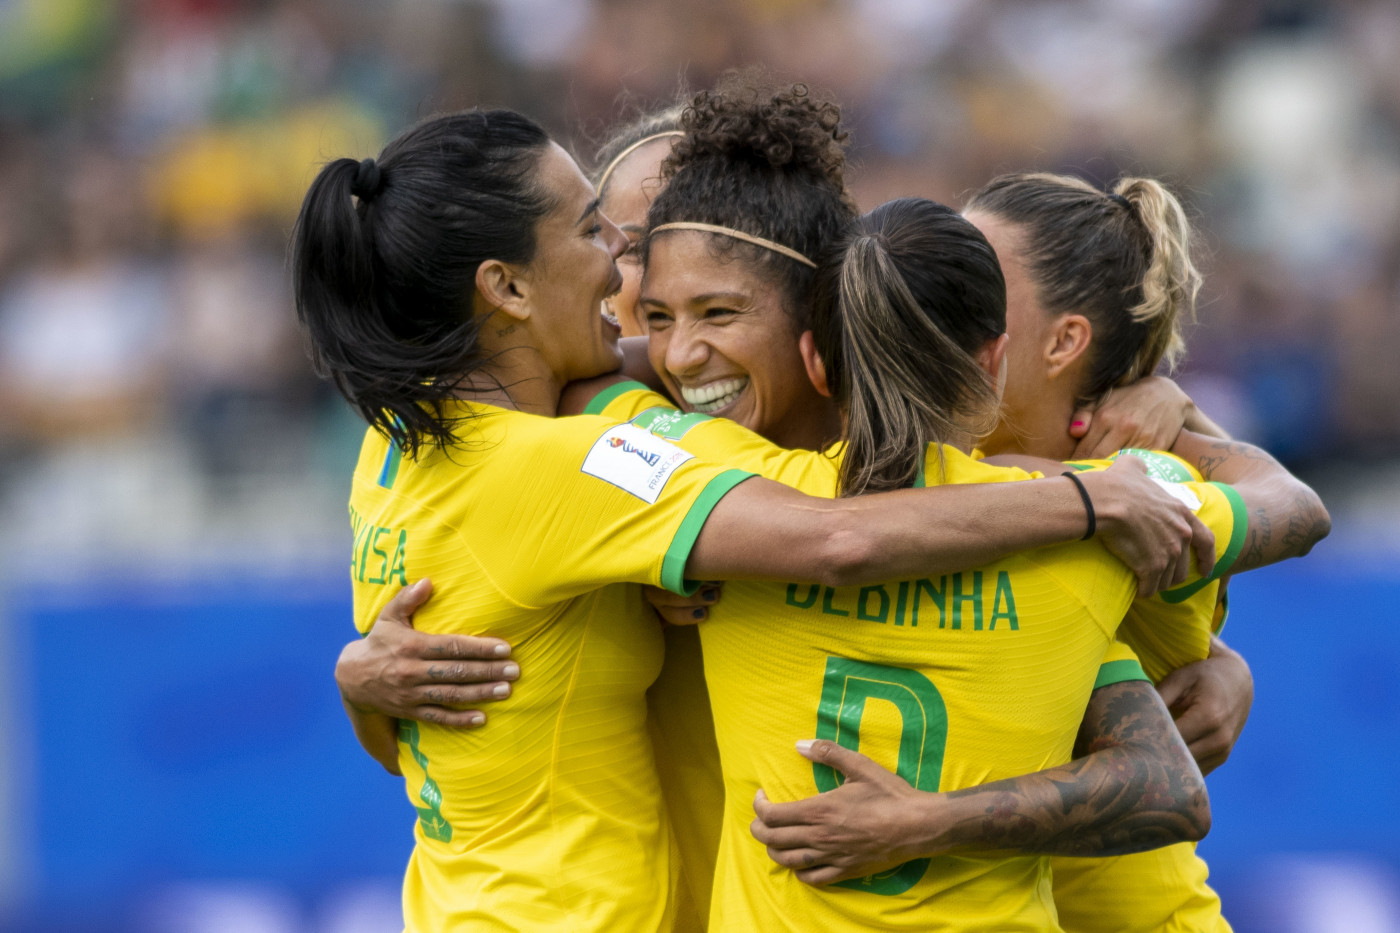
154,397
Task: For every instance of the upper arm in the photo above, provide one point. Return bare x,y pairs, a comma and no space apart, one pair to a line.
1285,516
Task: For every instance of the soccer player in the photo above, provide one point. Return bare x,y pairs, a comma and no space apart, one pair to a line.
450,288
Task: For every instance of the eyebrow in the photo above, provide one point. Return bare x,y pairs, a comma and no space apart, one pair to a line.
632,228
592,206
732,297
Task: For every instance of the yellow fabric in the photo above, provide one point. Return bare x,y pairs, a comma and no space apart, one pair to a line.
552,818
1162,891
687,761
970,677
1166,889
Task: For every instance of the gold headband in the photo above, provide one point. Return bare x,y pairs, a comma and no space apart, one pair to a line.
739,235
617,159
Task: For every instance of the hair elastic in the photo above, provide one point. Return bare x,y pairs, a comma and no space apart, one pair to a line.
1122,201
617,159
366,181
1088,505
738,235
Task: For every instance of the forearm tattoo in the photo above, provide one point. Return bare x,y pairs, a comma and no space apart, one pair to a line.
1135,788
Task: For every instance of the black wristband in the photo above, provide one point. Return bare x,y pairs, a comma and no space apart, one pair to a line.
1088,504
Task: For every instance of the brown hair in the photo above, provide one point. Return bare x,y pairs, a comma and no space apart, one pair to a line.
911,293
1121,259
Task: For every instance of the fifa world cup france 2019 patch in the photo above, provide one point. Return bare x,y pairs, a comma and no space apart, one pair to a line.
634,460
1180,493
1160,465
667,422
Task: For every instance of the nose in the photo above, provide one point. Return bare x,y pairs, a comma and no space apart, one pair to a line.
686,350
615,238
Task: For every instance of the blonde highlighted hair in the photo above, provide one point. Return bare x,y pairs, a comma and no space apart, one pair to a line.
912,293
1122,259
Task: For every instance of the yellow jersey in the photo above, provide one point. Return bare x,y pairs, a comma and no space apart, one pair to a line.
950,681
552,818
1163,890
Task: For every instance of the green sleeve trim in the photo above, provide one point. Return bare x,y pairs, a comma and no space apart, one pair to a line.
1117,672
669,423
673,564
1078,466
606,397
1224,612
1223,562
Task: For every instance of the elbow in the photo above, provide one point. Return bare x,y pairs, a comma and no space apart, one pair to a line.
1198,820
849,555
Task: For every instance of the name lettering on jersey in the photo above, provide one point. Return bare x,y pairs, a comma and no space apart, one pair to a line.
379,552
957,601
634,460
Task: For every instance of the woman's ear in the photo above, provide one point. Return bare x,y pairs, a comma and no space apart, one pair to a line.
1068,338
503,288
812,361
992,359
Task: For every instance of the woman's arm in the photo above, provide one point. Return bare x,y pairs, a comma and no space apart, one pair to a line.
1134,788
766,531
1149,414
1210,701
396,673
1286,518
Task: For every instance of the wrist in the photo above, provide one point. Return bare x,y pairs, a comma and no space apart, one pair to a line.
1101,489
936,821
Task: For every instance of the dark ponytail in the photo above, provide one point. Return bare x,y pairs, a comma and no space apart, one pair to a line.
384,261
910,295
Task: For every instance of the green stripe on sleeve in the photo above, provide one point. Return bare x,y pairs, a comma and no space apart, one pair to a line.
1117,672
606,397
390,471
1223,562
673,564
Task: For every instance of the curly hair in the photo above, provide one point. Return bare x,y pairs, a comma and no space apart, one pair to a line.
767,164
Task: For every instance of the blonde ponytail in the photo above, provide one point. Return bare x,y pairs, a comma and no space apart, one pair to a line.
1170,284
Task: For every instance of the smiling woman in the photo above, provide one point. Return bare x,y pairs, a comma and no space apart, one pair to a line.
725,301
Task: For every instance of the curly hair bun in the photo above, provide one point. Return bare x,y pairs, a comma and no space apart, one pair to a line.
742,123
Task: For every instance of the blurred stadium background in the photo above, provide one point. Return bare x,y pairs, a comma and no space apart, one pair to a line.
173,479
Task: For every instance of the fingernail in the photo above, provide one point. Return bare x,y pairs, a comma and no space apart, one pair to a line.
710,595
1076,424
759,795
501,650
805,745
501,690
511,670
476,720
698,614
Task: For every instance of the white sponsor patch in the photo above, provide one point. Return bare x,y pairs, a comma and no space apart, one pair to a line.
1186,496
634,460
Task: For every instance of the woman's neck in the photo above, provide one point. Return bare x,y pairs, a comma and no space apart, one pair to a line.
515,379
514,373
1038,429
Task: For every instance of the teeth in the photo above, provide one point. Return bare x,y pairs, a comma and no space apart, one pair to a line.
714,396
608,314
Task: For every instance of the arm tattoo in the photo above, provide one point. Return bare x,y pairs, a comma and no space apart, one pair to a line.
1221,451
1135,788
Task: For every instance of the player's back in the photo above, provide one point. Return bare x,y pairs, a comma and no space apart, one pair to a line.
551,818
950,680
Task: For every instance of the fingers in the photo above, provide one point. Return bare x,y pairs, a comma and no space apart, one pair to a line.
405,603
675,609
796,813
441,716
1203,543
797,858
1080,421
1211,751
454,647
1174,686
825,874
852,764
782,837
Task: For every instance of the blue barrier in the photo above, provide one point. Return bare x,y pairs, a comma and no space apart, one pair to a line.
192,733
